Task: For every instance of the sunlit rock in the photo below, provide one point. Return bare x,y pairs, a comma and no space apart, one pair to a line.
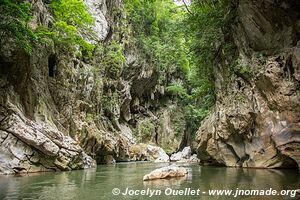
166,172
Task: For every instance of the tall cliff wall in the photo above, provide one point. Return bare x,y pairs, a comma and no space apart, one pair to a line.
256,121
59,111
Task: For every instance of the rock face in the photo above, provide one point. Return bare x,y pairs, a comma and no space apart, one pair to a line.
98,9
166,172
28,146
256,120
59,111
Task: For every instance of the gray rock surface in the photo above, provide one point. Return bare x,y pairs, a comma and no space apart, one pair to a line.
28,146
255,122
98,10
184,156
63,112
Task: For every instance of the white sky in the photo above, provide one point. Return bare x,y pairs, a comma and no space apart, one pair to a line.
179,2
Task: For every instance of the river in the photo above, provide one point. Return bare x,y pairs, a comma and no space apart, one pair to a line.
96,184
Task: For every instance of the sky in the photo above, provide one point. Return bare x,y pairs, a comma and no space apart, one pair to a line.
179,2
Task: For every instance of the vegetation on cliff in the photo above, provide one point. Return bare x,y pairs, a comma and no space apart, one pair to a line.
72,24
14,18
185,43
69,27
110,74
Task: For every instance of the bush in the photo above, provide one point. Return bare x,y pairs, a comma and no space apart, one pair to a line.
72,23
146,129
14,17
156,32
113,59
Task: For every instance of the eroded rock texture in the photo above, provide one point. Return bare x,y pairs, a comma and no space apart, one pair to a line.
256,120
28,146
59,111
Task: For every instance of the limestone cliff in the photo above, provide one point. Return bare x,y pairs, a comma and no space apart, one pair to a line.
256,121
61,112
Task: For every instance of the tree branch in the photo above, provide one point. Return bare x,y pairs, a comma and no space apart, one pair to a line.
187,8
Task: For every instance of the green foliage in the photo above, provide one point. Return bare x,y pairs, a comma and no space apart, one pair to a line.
241,98
72,22
184,46
261,57
71,12
110,57
113,58
206,29
110,102
177,117
14,16
156,31
89,117
178,88
243,70
146,129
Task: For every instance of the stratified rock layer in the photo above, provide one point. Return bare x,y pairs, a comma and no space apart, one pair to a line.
256,120
60,111
28,146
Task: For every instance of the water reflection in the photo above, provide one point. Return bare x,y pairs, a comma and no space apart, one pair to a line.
255,178
165,182
98,183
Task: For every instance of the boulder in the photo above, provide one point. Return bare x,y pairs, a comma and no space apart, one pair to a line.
30,146
194,159
157,153
186,152
184,156
176,156
143,152
166,172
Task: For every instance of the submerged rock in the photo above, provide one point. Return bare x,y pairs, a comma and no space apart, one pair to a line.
166,172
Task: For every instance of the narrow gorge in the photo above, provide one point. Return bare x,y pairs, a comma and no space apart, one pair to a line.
92,82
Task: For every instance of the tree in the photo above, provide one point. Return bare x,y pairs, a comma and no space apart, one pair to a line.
14,17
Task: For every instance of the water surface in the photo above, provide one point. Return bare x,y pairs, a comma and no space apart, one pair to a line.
98,183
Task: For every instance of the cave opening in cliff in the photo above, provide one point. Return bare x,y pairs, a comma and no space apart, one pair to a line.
4,66
51,64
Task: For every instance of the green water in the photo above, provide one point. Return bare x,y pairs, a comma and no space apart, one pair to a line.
98,183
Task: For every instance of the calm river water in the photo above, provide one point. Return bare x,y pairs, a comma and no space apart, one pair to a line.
96,184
